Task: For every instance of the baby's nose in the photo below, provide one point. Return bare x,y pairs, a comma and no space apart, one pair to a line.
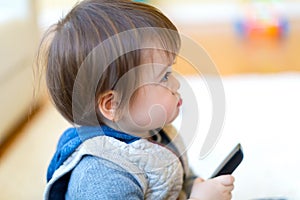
176,83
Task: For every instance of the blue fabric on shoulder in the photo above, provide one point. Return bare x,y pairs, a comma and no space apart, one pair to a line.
72,138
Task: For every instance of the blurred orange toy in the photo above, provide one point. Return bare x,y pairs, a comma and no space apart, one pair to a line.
262,18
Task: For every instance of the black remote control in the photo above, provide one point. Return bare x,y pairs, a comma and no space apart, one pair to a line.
230,163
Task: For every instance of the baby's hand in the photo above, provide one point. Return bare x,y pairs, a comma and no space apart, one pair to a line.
217,188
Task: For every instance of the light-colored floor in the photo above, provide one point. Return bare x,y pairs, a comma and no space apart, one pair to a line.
262,113
23,165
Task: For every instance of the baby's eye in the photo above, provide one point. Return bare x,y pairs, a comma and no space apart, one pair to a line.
166,77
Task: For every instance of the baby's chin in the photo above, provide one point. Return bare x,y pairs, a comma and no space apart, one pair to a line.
172,119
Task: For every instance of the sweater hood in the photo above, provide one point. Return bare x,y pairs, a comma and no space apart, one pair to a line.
72,138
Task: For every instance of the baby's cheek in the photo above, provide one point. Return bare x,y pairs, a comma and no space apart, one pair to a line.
158,114
151,117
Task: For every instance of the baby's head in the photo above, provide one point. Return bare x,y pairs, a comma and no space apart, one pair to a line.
109,62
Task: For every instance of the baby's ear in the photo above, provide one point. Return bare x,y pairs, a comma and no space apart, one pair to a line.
107,104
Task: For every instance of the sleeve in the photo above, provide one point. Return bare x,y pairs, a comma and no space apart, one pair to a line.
96,178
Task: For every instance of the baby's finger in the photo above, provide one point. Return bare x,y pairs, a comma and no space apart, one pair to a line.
226,180
199,180
229,188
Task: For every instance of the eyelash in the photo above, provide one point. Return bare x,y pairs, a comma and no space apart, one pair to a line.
166,77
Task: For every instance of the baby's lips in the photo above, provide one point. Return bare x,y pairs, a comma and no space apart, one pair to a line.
179,102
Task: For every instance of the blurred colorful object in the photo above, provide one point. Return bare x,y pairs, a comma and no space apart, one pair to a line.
143,1
262,18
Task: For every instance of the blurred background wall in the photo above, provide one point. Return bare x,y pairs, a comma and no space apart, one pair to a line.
18,38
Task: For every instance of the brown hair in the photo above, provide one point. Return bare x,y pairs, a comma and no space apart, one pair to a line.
67,45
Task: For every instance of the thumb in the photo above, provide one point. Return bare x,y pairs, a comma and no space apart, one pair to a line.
199,180
225,179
